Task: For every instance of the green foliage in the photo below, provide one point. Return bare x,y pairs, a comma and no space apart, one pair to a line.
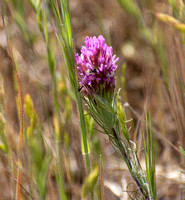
172,21
42,22
182,11
36,4
32,115
94,137
40,163
109,115
102,112
123,78
149,159
178,9
3,139
90,181
89,123
40,158
68,109
65,38
131,8
66,43
182,150
163,58
173,4
19,14
122,120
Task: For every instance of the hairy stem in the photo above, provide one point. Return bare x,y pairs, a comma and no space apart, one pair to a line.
129,164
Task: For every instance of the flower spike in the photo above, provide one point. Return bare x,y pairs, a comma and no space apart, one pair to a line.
96,67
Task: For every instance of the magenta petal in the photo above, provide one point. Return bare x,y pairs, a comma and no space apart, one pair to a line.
96,65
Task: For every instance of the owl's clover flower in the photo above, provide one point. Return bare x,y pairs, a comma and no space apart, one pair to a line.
96,67
96,73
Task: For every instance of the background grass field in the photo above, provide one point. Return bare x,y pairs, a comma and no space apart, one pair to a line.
47,160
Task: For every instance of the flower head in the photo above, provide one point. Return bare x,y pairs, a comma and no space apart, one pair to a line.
96,66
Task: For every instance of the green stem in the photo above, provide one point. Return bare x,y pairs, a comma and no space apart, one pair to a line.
130,167
84,135
61,176
56,106
83,131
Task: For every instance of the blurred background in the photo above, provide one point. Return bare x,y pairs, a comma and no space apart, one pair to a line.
150,73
